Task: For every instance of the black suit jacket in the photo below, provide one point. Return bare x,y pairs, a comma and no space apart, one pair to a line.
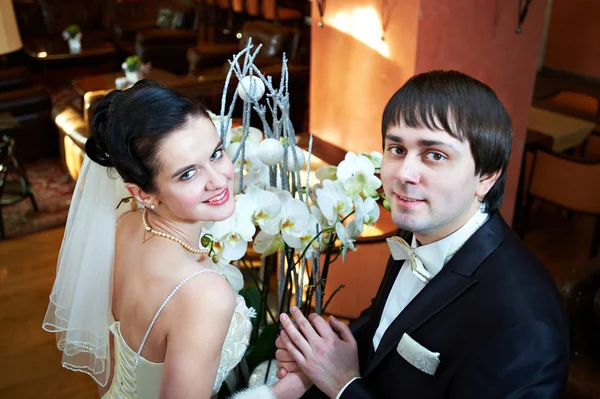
492,312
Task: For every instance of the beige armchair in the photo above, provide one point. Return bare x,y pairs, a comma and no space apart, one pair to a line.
570,182
74,130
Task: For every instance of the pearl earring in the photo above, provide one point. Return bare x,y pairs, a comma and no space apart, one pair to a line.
152,206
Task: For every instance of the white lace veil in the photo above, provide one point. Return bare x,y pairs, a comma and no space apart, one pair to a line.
80,301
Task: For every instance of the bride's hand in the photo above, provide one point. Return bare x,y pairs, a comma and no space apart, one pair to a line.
285,362
292,386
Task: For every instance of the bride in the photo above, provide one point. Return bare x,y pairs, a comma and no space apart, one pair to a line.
136,304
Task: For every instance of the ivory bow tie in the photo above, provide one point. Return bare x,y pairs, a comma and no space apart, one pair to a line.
400,250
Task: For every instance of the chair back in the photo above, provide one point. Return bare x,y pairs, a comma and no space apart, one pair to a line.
579,294
592,146
573,183
573,103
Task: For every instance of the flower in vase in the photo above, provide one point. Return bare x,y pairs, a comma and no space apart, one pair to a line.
131,63
357,174
72,32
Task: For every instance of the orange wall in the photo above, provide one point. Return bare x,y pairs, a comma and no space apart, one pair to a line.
572,43
352,79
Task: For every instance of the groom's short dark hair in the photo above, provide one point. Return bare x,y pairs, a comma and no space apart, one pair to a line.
465,108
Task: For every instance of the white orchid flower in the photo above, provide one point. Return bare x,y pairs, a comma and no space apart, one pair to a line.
267,244
268,208
357,173
307,236
235,232
251,161
366,211
375,156
294,219
333,201
326,173
252,178
232,274
343,234
254,135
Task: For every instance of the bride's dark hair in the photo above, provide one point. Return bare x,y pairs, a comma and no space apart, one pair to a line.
130,125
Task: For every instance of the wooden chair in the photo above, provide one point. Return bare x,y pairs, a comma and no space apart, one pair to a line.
570,182
591,147
580,294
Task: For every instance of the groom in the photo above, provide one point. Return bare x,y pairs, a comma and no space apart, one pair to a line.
464,309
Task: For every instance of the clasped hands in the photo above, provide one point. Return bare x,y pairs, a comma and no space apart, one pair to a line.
325,351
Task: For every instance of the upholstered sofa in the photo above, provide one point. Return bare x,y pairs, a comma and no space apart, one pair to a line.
275,40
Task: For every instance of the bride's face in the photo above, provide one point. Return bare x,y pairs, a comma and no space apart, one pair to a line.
195,178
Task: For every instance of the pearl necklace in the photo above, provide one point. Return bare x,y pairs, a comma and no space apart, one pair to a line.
187,247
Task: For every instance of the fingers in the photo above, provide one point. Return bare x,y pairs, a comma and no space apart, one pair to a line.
322,327
296,354
279,343
293,335
290,367
342,329
304,325
281,373
283,355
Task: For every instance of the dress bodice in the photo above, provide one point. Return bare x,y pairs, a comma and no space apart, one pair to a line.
142,380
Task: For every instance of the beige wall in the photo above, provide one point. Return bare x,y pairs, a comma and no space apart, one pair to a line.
354,72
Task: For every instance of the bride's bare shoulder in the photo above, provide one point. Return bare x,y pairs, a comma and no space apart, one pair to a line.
206,295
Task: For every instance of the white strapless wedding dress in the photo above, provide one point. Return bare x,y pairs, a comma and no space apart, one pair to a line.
142,380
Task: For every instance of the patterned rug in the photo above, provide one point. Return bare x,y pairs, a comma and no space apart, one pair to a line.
52,189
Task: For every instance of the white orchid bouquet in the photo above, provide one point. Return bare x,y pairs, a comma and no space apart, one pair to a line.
298,228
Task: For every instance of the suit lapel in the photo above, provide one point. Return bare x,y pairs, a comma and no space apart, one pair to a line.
450,283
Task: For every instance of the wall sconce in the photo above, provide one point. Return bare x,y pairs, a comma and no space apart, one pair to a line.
522,13
321,8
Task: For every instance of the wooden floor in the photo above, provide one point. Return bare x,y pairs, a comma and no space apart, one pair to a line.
30,366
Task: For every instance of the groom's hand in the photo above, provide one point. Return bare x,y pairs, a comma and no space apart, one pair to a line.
285,361
326,352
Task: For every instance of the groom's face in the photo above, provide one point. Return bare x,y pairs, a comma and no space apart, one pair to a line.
429,179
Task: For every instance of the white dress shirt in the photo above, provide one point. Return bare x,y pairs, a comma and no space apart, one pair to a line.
406,286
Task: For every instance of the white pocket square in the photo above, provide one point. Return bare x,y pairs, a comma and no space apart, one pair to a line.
417,355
